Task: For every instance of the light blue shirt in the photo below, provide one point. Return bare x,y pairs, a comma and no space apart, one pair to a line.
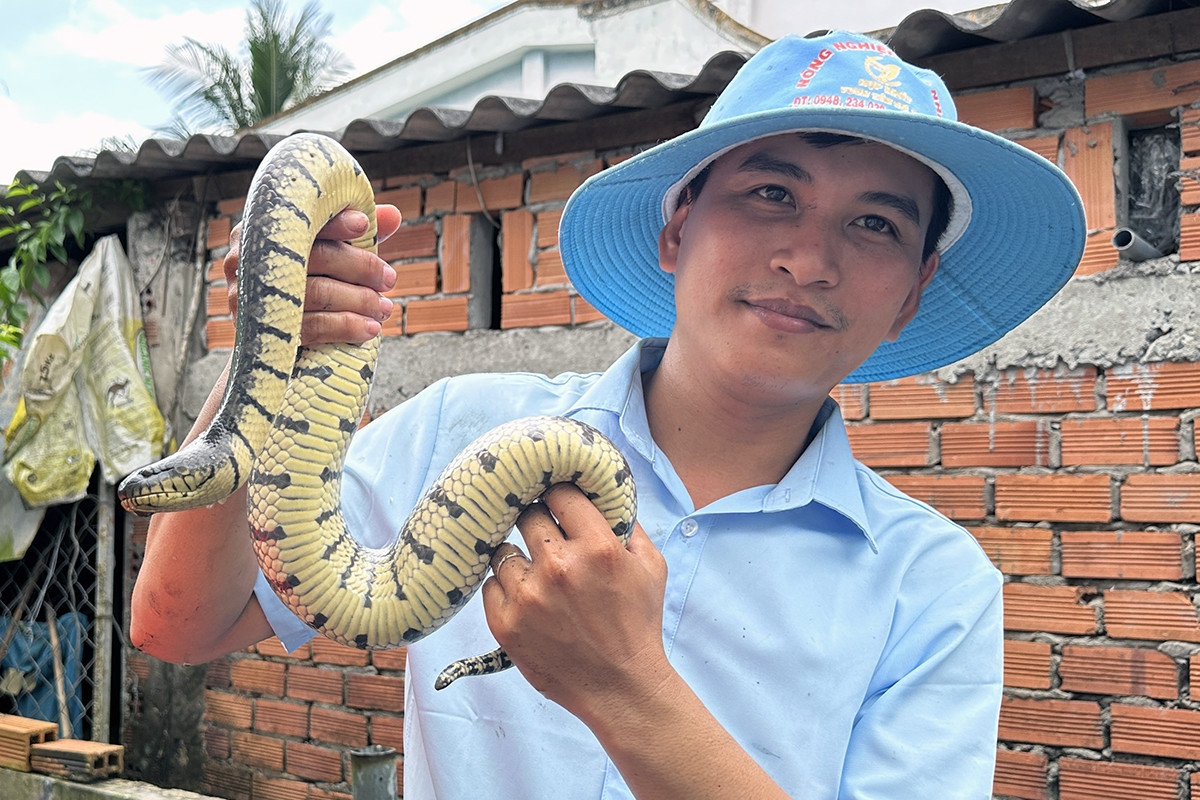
846,635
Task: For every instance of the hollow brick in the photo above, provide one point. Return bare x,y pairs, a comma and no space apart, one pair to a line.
437,314
407,200
996,444
998,109
266,788
1017,551
1098,253
852,398
532,310
1154,89
1041,391
1021,774
1189,180
413,279
395,659
1156,616
515,245
381,692
1129,671
547,228
327,651
410,241
387,731
456,253
957,496
549,269
1130,555
255,750
1161,498
1066,723
1162,732
217,742
1079,779
922,397
497,194
1053,498
282,717
440,198
1152,387
1052,609
219,334
1101,441
338,727
227,780
1189,131
557,184
898,444
219,229
1189,237
314,762
313,683
1026,664
229,710
1044,146
582,311
1088,161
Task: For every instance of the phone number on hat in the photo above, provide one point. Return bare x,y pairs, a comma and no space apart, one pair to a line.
836,100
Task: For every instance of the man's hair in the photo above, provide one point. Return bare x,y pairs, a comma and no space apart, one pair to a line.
943,201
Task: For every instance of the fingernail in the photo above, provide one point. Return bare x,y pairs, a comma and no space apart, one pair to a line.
386,307
372,328
389,276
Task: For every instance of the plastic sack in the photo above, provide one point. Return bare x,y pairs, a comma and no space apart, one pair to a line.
86,390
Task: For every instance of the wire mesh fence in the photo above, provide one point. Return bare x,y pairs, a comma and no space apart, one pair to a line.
56,621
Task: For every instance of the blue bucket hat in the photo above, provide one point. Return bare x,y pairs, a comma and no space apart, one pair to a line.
1016,231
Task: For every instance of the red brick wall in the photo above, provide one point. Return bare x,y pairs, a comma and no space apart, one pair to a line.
1081,483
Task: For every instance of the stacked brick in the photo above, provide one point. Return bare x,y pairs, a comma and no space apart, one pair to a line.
432,250
1080,482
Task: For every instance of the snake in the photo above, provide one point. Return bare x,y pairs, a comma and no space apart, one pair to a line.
289,411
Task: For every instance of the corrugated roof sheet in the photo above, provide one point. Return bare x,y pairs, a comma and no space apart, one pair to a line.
922,34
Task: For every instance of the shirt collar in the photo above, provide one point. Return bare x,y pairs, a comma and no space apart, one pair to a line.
826,471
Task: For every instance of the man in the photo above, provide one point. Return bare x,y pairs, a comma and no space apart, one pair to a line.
782,622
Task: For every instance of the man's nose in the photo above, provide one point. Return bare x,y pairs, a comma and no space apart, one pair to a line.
808,250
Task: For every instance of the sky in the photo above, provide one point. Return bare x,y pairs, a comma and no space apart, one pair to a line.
72,72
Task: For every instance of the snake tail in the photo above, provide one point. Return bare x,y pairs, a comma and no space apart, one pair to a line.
299,186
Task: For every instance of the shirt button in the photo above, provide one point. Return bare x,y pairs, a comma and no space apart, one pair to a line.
689,527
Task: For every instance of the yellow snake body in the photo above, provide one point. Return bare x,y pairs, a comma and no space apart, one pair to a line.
286,420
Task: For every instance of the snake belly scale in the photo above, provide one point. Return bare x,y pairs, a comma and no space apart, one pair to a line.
285,423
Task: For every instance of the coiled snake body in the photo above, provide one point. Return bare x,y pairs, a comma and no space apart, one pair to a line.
286,420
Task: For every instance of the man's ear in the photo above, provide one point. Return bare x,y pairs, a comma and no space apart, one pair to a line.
912,303
670,237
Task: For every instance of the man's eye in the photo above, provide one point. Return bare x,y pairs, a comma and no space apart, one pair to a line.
776,194
877,224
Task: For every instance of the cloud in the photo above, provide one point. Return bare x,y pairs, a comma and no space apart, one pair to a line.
33,145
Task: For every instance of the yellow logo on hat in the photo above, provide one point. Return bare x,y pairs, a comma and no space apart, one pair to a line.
884,73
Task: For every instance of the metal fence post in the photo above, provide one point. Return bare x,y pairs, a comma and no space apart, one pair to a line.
373,773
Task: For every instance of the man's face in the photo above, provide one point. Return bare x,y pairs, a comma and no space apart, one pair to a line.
796,261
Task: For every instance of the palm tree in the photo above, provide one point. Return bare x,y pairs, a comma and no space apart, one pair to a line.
283,61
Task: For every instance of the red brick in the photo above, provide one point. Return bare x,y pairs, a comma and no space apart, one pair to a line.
1162,732
1044,146
381,692
313,683
922,397
1189,237
280,716
411,241
1189,131
279,788
1122,554
998,109
1161,498
498,194
321,793
228,781
440,198
388,731
956,496
415,278
1189,180
262,752
583,311
1145,441
538,308
547,228
219,229
1146,90
394,324
216,675
456,254
231,206
549,268
1053,498
258,677
1102,780
852,398
313,762
996,444
1050,609
216,301
1119,671
1088,161
274,648
1098,253
516,245
390,659
1152,387
440,314
1017,551
1026,664
407,200
1020,773
557,184
1066,723
1042,391
899,444
217,742
338,727
229,710
1158,616
327,651
219,334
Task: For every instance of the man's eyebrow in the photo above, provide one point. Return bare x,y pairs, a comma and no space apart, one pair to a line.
901,203
765,162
